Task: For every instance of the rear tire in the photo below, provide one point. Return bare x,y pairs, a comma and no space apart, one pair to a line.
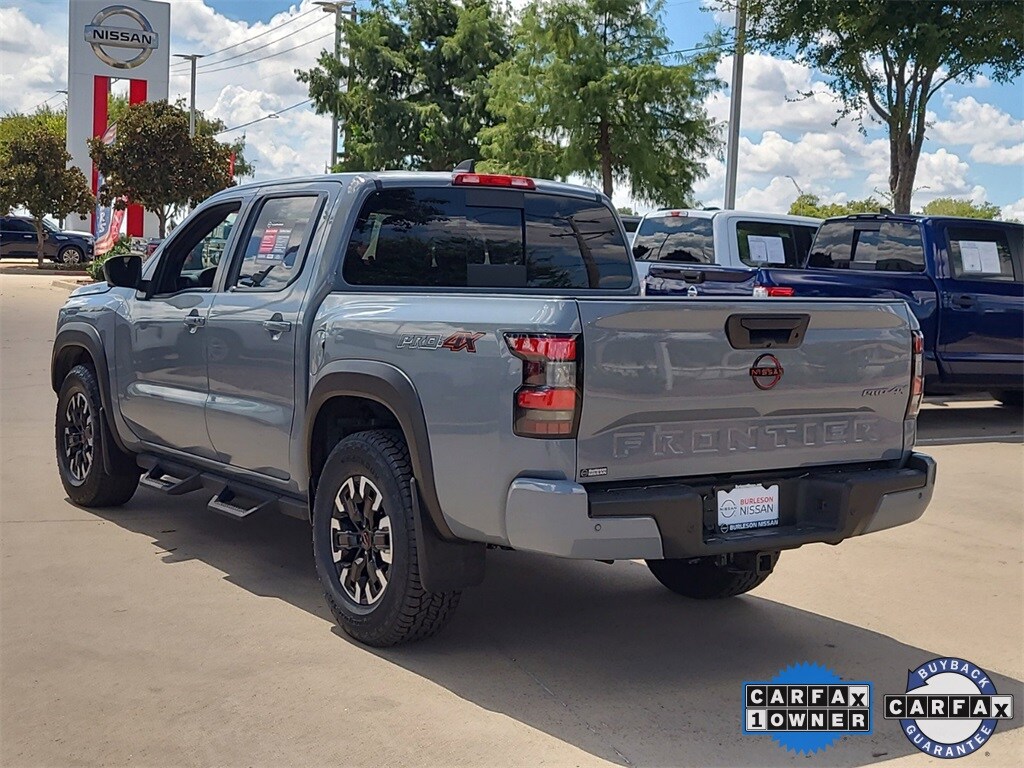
81,440
704,579
1012,398
364,544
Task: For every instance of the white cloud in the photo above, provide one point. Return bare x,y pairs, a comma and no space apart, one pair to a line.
993,135
1014,210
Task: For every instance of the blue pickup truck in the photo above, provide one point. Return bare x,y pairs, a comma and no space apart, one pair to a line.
963,279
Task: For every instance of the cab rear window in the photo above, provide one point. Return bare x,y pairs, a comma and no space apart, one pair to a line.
772,243
683,239
485,238
878,246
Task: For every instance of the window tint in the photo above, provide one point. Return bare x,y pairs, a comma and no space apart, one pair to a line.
675,238
190,259
887,246
19,225
980,253
773,243
450,237
277,243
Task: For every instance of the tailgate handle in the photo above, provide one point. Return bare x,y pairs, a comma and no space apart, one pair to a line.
766,331
675,273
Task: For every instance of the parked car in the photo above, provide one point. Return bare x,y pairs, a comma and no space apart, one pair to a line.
728,238
18,239
962,278
424,365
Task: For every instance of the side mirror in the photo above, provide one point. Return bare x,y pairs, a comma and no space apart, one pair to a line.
123,271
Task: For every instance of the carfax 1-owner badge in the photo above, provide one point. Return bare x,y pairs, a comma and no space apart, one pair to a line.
950,708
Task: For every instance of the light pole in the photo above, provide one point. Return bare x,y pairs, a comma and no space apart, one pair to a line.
192,57
336,8
733,147
798,190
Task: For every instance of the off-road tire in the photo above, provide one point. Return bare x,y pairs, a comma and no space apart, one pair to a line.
1012,398
703,579
404,611
95,487
65,253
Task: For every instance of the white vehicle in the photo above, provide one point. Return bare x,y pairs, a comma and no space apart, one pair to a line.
727,238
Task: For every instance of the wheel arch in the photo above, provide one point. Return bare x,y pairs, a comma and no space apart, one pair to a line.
77,344
366,394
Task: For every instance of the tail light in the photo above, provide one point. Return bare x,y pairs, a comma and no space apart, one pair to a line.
548,402
916,374
766,291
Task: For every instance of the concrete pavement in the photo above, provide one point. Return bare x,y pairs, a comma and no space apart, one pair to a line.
159,634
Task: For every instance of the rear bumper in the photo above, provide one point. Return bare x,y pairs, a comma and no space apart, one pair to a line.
677,520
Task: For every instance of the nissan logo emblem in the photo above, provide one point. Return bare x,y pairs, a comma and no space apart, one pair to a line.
766,371
103,37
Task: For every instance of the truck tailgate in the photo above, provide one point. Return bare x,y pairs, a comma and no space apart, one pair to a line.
684,388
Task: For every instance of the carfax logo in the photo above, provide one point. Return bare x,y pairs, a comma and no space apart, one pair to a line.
950,709
807,708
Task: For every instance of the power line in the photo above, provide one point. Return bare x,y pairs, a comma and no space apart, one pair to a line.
205,67
269,55
261,34
265,117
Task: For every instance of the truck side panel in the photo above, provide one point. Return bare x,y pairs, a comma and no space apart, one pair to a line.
466,389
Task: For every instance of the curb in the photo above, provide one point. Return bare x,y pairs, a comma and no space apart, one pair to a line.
67,284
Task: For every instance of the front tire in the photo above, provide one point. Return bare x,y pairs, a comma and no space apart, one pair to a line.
80,442
704,579
364,544
71,256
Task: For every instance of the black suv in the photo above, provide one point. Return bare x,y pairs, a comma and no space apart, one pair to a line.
18,238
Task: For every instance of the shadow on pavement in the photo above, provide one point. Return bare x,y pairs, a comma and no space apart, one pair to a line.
955,422
598,656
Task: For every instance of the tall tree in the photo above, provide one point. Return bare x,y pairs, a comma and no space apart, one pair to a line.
811,205
415,91
14,124
155,163
889,58
952,206
592,89
34,175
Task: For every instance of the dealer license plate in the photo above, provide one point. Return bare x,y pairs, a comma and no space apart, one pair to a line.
748,506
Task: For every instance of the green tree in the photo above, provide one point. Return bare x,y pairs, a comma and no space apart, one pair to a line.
888,58
34,175
155,163
952,206
418,80
811,205
592,90
14,124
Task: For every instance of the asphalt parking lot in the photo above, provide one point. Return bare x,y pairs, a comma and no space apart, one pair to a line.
159,634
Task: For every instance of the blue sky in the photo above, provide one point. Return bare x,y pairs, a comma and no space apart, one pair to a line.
975,147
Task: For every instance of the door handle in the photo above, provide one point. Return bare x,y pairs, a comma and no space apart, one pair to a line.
194,321
963,300
277,325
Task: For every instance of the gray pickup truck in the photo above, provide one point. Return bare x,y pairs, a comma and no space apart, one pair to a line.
428,365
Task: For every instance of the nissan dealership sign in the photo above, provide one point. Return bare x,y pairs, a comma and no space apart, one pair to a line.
121,37
110,42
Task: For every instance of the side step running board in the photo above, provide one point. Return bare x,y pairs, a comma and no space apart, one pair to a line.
231,498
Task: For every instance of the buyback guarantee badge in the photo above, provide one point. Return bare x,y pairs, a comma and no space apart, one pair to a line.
950,709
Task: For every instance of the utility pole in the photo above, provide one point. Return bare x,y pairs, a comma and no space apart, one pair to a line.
735,97
336,8
192,57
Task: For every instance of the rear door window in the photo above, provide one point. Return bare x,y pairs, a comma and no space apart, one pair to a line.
767,243
684,239
884,246
485,238
980,253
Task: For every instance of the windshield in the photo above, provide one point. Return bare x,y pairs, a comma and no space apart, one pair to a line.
50,226
675,238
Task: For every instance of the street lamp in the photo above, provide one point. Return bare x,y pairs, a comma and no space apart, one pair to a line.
336,8
191,57
798,190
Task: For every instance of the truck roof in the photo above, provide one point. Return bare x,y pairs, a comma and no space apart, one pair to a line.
421,178
920,217
698,213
